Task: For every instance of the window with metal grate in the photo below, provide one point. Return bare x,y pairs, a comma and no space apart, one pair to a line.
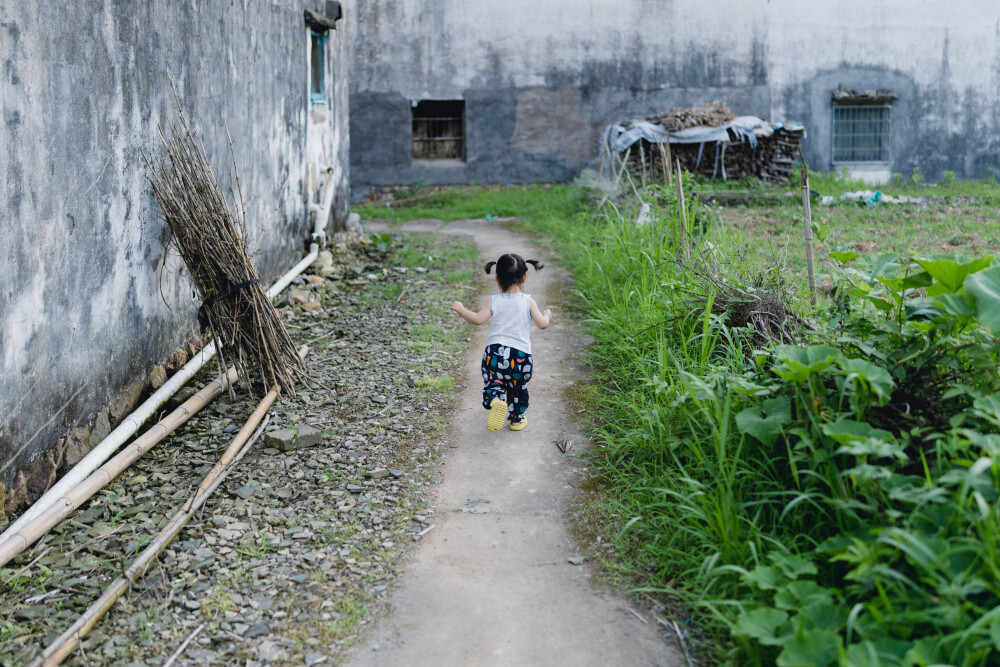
438,130
861,133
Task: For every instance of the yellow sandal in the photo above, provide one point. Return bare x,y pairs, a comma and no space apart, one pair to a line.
519,424
497,417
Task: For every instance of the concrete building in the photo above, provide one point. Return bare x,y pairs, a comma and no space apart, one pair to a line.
525,87
87,304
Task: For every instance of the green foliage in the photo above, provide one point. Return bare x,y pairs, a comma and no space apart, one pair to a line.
382,242
832,501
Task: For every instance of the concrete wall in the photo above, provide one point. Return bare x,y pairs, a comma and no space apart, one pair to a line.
541,79
85,87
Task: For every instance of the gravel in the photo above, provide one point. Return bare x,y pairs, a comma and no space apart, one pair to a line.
288,554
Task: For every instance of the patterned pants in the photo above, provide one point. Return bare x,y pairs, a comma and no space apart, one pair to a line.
506,372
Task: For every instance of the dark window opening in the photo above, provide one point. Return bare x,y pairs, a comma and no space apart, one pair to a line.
861,133
438,130
317,69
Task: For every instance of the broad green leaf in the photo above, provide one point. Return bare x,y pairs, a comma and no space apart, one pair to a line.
875,378
881,653
846,431
915,280
792,564
747,388
764,421
922,309
955,304
767,577
844,256
824,615
797,594
995,634
879,302
816,648
989,407
798,364
950,271
881,265
983,289
759,623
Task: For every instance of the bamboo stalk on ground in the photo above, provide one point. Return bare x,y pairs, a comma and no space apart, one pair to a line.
103,476
69,640
807,215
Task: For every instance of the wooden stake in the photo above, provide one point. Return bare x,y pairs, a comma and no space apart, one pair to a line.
621,171
665,161
682,210
103,476
807,215
642,161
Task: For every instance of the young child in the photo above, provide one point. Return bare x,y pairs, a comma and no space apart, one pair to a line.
507,360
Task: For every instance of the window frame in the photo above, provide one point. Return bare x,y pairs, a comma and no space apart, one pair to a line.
885,135
317,39
446,120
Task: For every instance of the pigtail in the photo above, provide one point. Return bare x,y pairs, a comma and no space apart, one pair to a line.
535,263
489,265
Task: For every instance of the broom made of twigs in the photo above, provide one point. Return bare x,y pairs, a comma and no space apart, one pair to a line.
211,237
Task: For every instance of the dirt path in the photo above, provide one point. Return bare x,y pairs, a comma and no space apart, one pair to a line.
495,588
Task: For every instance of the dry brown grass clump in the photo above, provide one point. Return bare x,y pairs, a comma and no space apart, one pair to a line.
212,240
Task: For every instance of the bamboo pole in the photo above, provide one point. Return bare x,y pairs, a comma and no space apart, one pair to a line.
75,497
807,215
628,154
69,640
642,161
682,209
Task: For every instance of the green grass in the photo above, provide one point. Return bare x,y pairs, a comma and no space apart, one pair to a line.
906,229
976,192
538,202
441,383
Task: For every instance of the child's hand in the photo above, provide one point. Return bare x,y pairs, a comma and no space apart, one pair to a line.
548,314
457,306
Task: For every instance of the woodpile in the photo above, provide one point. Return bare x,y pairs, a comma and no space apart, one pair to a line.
710,114
770,161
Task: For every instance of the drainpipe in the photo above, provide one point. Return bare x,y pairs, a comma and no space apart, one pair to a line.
130,425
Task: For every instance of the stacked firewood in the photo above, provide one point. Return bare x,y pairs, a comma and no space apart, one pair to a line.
711,114
770,161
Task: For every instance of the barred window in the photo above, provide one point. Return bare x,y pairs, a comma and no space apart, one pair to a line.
438,130
861,133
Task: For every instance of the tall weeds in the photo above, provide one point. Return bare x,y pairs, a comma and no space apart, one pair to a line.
821,495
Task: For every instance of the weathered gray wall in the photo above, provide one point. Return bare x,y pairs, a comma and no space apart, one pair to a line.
85,87
590,62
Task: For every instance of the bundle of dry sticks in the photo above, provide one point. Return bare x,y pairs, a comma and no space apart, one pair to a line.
212,239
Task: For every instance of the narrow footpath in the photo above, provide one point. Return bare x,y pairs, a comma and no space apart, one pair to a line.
491,583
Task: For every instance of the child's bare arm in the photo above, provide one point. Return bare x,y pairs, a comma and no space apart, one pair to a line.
470,316
541,320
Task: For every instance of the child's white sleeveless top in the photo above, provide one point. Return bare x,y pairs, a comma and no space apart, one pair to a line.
511,321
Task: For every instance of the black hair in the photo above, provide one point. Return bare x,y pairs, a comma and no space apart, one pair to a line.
511,269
